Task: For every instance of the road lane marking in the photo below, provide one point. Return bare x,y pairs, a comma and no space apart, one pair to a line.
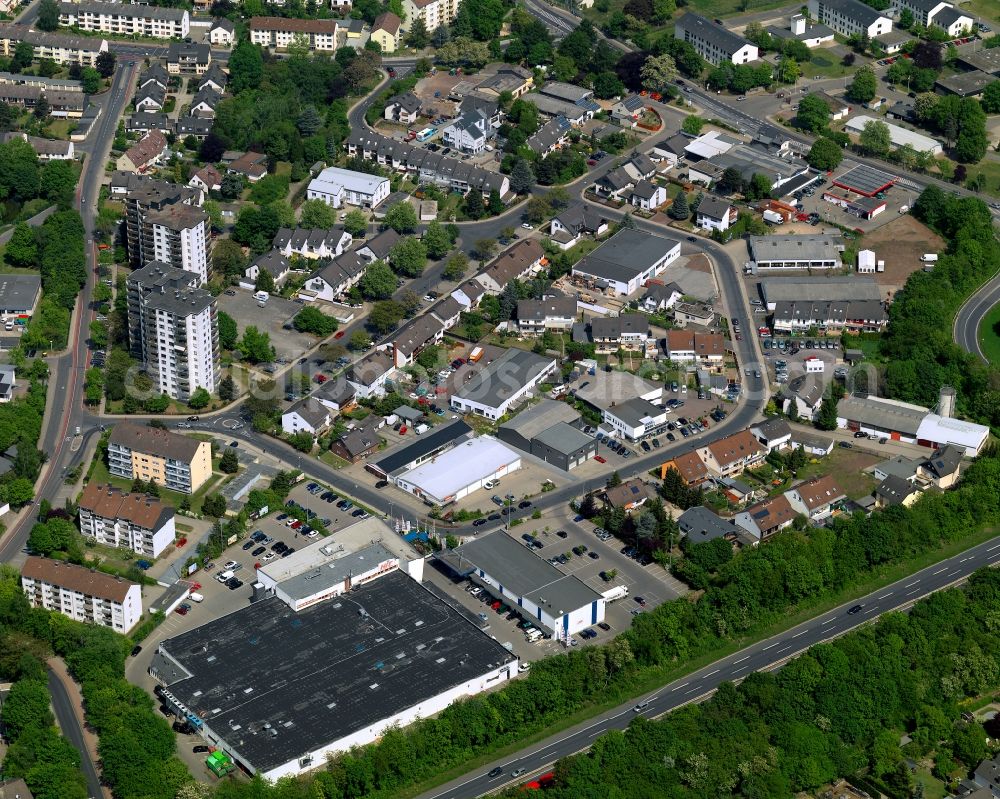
800,632
910,585
681,686
711,673
742,659
993,547
829,621
770,645
941,570
884,596
963,560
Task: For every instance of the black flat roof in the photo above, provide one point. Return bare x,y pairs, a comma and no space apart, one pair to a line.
423,446
865,180
326,672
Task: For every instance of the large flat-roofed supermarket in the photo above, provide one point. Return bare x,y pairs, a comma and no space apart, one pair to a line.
278,689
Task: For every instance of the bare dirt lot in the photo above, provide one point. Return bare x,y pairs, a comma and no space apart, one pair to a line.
900,244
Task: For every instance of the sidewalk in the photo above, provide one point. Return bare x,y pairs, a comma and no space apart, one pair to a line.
73,689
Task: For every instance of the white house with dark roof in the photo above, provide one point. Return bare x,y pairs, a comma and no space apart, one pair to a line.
272,262
403,108
221,33
312,243
628,331
550,137
306,416
714,42
627,111
661,296
574,221
536,317
850,17
715,213
937,12
624,263
647,195
336,278
336,186
469,133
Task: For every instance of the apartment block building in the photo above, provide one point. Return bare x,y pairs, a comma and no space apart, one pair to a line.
153,454
173,330
125,19
434,13
147,201
713,42
281,33
58,47
133,521
82,594
178,235
850,17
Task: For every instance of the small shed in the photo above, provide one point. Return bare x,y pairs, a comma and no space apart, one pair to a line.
408,414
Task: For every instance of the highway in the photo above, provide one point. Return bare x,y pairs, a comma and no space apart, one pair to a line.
763,656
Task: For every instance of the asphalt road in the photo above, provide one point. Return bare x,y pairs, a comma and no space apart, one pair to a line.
970,317
763,656
70,726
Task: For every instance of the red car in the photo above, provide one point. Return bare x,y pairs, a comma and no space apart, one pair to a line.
295,525
195,586
600,459
340,334
320,379
402,430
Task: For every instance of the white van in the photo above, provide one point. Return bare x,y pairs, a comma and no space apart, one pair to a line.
929,257
533,635
196,598
223,576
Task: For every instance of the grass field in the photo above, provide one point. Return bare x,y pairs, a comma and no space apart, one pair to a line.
825,64
988,338
989,167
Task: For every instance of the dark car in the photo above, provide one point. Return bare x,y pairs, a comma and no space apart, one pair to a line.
287,552
182,727
641,601
279,547
479,522
248,545
358,512
281,517
845,444
381,484
604,626
656,443
259,551
136,650
562,534
199,748
524,505
233,583
593,555
494,517
495,773
856,609
645,446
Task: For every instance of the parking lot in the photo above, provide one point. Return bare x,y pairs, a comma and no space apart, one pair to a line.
270,319
786,357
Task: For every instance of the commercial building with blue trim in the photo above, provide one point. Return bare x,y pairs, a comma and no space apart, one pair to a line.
560,604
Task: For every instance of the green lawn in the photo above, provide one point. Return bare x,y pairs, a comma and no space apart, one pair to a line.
101,475
825,64
988,339
987,9
989,168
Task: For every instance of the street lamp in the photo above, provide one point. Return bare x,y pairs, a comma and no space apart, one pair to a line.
510,504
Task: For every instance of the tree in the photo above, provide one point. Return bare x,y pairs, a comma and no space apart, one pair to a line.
679,209
48,15
607,85
22,249
826,418
232,185
484,249
199,398
864,85
658,72
355,222
990,99
874,138
456,266
312,320
385,315
429,357
408,256
317,214
214,505
788,69
309,120
522,179
418,37
246,67
436,240
228,258
91,80
813,114
825,154
106,63
905,19
26,705
24,54
359,341
228,334
537,210
264,281
401,217
441,36
928,55
256,346
474,208
227,389
378,282
229,463
692,124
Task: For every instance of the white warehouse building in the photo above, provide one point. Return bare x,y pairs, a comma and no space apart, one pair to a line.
624,263
336,186
509,379
459,471
559,603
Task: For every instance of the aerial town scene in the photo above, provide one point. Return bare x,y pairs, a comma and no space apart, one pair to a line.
438,399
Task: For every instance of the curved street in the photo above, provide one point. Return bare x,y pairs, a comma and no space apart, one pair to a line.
969,318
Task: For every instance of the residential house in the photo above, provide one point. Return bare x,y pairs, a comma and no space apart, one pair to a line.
8,380
199,127
661,296
768,517
370,375
412,337
553,314
146,121
671,151
713,41
707,349
941,469
433,13
134,521
386,32
150,97
306,416
222,33
45,149
802,30
188,58
57,47
730,456
403,108
312,243
508,78
567,228
850,17
699,525
160,456
448,311
715,213
157,74
126,19
936,12
251,165
145,155
81,593
629,332
805,394
629,495
773,433
336,278
686,313
379,247
470,133
896,491
280,33
628,111
208,178
647,196
616,184
515,263
816,498
274,263
214,78
356,445
838,108
204,103
550,136
691,468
